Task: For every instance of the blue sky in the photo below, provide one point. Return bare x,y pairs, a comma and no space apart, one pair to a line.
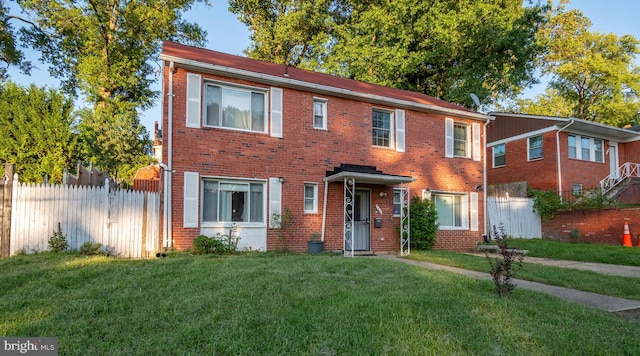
226,34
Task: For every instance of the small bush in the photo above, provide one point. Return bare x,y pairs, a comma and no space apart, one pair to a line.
58,241
423,218
574,235
92,249
503,268
217,244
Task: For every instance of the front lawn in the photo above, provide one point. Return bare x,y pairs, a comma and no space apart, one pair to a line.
288,304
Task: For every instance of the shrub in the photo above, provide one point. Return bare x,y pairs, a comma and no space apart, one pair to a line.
58,241
92,249
547,203
220,243
502,268
284,224
423,219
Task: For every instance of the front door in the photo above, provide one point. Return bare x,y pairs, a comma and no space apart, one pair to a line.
362,220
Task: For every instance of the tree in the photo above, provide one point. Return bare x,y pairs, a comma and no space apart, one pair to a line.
446,49
10,52
37,132
105,50
592,73
424,223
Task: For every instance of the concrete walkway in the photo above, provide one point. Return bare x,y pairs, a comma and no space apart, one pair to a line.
624,307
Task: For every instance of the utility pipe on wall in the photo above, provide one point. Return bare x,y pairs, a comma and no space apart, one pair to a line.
168,214
484,177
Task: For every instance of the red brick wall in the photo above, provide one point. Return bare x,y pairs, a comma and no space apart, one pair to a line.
305,154
595,226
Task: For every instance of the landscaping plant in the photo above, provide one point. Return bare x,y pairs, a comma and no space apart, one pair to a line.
503,268
423,218
58,241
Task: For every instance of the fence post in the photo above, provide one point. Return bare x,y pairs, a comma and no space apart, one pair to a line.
5,233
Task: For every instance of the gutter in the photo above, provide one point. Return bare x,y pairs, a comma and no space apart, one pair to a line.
558,157
293,83
484,178
168,234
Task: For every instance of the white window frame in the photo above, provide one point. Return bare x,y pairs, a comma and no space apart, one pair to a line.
323,104
504,154
591,149
529,158
240,181
397,191
463,207
391,127
314,210
577,188
467,139
240,88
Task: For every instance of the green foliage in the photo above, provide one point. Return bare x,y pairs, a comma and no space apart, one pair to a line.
284,225
423,219
92,249
10,52
504,268
58,241
220,243
591,199
594,75
445,49
574,234
546,202
38,132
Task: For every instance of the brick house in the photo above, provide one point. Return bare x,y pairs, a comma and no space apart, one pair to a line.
244,140
562,154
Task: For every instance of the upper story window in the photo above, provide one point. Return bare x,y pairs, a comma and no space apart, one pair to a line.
586,148
232,201
534,147
310,198
461,140
382,128
499,155
235,108
319,113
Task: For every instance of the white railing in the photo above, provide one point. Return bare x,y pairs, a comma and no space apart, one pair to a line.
627,170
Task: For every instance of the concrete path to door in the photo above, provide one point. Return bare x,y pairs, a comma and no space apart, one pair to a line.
623,307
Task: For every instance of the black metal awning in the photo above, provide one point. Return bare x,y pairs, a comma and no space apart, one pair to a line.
365,174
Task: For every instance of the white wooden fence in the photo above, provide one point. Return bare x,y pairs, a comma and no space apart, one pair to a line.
124,222
516,215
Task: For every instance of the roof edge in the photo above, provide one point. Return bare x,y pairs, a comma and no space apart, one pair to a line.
293,83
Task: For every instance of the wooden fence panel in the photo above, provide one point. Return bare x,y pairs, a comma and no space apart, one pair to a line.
117,220
516,215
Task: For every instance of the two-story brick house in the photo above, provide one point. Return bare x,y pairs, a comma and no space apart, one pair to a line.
245,139
561,154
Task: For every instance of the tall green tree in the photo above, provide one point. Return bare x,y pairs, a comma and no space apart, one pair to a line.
446,48
38,132
104,49
10,52
594,74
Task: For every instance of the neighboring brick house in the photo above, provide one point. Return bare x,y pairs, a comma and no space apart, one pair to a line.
244,139
561,154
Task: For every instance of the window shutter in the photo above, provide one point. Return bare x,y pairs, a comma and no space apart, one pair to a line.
194,87
476,141
474,211
400,130
276,112
464,211
190,211
448,145
275,199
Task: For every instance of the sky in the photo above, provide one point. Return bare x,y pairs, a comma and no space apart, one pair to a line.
225,33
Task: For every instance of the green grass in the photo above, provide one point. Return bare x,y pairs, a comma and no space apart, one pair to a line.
623,287
620,255
288,304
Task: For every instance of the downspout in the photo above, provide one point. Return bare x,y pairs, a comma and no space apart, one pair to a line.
168,181
484,180
558,157
324,208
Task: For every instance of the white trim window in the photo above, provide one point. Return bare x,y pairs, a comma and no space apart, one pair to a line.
311,198
382,128
231,200
461,140
452,210
499,155
586,148
534,147
577,188
320,113
235,107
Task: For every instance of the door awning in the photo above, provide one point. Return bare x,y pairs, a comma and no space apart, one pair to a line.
366,175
